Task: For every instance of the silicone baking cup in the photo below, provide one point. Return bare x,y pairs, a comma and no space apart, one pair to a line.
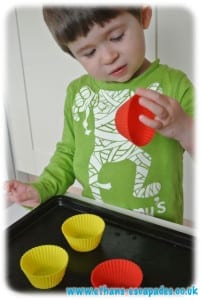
45,265
128,124
83,232
117,273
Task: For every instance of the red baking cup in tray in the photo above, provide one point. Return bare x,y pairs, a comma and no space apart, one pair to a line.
128,124
117,272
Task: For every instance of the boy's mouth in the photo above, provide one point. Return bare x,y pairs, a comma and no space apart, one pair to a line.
119,71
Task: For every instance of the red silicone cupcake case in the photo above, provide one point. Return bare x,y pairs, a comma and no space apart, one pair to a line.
128,123
117,273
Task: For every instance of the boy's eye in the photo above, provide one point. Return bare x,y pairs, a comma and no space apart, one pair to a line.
117,38
90,53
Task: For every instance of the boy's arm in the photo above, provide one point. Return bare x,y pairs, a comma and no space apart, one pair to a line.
59,175
186,134
55,179
170,118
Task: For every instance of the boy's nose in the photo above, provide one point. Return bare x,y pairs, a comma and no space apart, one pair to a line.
108,55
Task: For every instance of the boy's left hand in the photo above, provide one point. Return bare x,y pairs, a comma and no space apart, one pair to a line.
170,119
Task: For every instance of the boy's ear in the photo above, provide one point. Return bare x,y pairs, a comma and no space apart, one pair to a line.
146,15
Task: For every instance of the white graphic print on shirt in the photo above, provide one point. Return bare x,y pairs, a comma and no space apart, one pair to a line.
110,146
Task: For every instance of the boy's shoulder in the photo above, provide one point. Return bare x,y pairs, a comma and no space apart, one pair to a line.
80,81
176,75
172,75
164,68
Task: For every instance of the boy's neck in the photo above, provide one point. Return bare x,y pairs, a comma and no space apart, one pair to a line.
142,68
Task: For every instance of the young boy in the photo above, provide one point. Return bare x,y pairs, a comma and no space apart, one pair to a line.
109,44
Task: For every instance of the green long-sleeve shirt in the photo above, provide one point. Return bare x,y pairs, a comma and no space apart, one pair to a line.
109,167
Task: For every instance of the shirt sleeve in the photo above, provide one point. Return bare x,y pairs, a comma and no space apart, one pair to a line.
185,93
58,175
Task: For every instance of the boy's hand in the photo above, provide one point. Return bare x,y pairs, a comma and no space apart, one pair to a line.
22,193
170,119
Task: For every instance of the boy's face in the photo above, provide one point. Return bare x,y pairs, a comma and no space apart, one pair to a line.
115,52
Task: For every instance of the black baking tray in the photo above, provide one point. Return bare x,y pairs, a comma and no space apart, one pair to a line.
165,255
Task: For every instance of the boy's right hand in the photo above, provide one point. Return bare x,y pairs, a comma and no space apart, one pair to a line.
22,193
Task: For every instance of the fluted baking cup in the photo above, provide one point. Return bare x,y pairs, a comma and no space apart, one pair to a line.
117,273
44,266
83,232
128,124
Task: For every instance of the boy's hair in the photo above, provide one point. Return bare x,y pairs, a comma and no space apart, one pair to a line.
66,23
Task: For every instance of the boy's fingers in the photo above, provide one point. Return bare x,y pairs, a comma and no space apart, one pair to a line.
10,185
30,203
152,96
7,186
153,123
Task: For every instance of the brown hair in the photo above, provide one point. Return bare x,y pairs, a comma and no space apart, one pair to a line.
66,23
